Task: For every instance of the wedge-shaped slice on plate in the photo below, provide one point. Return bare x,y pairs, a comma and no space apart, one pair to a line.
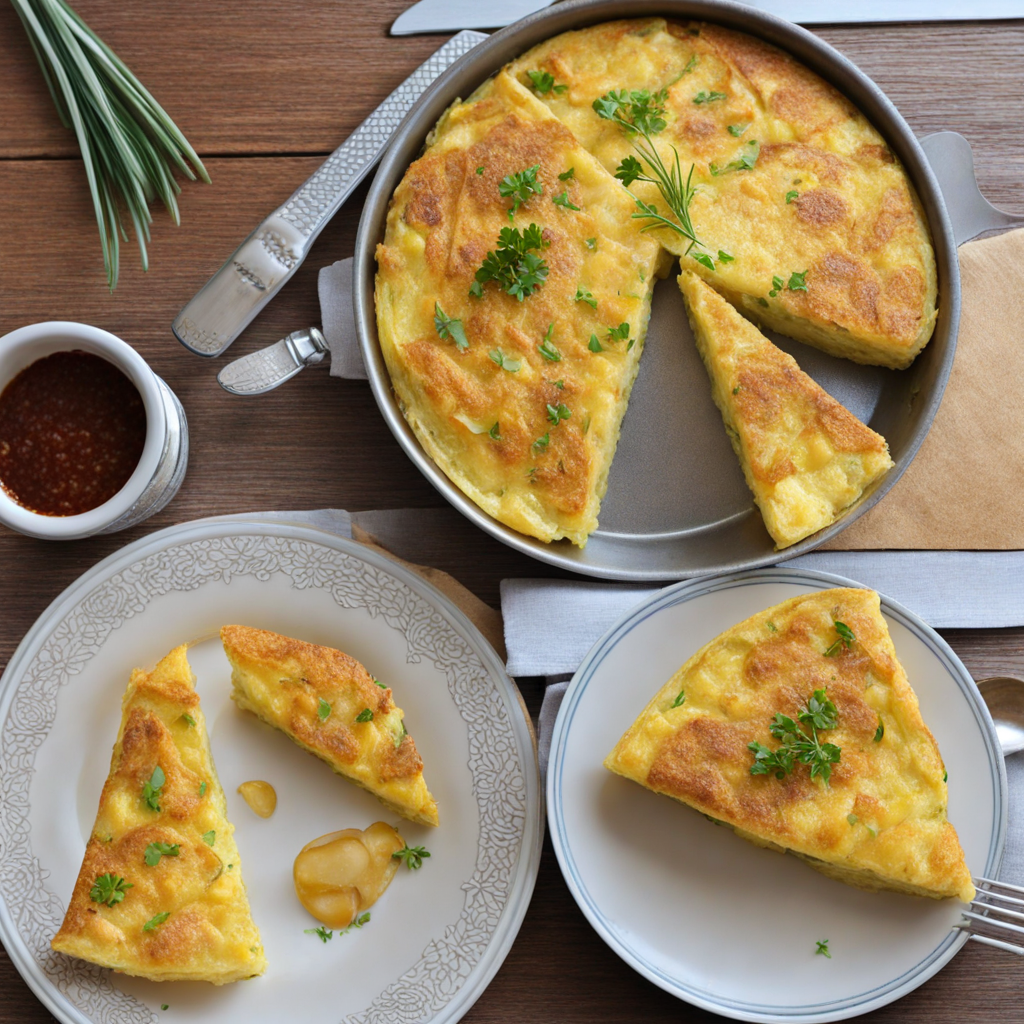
805,456
330,705
876,818
160,894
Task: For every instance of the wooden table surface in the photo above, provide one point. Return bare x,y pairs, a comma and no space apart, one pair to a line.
264,93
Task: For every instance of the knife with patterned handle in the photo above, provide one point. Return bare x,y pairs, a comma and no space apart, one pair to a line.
251,277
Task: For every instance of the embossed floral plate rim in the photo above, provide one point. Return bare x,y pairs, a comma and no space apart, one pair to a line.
435,631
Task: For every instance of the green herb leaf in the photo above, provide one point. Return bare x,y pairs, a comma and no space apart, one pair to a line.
562,199
680,698
504,361
620,333
845,638
557,413
151,790
852,819
480,170
763,302
158,919
823,949
797,282
189,720
519,187
791,195
165,1006
513,266
476,290
109,889
724,257
567,175
495,432
157,850
591,243
323,710
323,934
945,776
412,855
595,345
771,627
449,327
777,285
542,443
880,731
584,295
547,350
797,745
210,837
736,390
744,162
736,130
202,788
544,83
708,97
366,715
704,259
377,682
638,110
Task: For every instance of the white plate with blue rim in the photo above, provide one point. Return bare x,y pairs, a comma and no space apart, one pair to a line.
435,938
715,920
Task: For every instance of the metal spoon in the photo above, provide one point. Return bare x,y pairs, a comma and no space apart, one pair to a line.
1004,696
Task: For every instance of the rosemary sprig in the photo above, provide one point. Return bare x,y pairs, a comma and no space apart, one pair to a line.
130,147
642,115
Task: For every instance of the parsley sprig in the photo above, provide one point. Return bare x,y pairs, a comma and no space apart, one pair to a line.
448,327
152,790
412,855
544,83
844,638
744,162
109,889
157,850
513,265
798,746
642,115
520,186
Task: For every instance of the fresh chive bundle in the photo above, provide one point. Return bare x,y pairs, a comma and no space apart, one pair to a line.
129,145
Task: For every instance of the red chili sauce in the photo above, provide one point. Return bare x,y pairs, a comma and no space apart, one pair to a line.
72,428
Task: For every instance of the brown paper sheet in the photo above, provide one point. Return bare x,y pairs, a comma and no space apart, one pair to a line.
963,491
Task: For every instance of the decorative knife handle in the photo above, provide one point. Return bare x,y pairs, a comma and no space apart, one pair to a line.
267,368
229,301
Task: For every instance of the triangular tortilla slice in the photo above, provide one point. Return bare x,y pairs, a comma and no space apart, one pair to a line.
330,705
880,821
805,456
179,915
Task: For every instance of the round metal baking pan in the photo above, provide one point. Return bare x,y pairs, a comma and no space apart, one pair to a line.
677,505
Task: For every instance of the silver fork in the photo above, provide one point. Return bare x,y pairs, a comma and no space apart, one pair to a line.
992,915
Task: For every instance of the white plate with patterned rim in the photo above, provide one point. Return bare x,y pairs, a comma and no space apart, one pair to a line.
436,937
715,920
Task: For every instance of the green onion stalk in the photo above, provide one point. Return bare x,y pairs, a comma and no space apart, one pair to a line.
129,145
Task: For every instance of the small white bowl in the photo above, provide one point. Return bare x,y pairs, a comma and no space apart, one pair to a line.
161,468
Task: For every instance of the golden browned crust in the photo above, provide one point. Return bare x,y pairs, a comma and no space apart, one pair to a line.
805,457
881,820
208,934
286,682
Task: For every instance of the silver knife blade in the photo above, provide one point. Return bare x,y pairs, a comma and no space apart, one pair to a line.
451,15
254,273
263,370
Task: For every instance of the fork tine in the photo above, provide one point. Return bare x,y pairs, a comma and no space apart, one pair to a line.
981,883
999,944
994,922
989,912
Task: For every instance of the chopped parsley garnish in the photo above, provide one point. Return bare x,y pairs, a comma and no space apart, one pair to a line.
704,260
541,443
366,715
791,195
513,266
708,97
152,923
544,82
852,819
165,1006
744,162
560,384
595,345
797,745
151,790
584,295
880,731
736,130
449,327
504,361
547,350
358,922
591,243
557,413
480,170
822,949
945,776
202,788
680,699
736,390
109,889
763,302
586,424
620,333
495,432
777,285
323,934
638,110
771,627
797,281
567,175
519,187
377,682
210,837
323,710
412,855
563,200
189,720
157,850
724,257
844,638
